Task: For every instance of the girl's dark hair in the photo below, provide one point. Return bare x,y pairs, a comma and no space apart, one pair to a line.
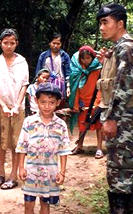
9,32
38,94
83,53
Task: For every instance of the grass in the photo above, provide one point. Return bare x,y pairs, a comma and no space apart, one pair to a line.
99,200
94,198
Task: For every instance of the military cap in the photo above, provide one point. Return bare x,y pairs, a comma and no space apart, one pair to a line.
111,9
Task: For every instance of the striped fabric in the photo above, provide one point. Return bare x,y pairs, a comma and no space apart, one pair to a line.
42,143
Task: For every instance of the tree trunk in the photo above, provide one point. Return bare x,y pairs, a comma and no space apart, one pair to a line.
25,30
67,25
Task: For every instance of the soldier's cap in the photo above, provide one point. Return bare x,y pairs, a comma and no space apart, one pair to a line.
111,9
49,87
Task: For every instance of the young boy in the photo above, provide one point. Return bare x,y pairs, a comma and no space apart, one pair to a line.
44,136
42,76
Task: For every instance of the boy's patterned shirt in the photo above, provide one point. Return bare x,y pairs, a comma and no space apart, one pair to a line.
42,143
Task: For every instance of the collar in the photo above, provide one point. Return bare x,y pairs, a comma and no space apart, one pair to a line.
61,51
124,36
36,118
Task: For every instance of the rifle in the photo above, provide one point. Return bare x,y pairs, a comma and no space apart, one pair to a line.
92,120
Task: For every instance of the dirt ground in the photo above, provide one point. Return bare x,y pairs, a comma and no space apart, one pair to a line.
83,171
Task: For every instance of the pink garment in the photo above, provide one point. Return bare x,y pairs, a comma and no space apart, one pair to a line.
56,65
12,79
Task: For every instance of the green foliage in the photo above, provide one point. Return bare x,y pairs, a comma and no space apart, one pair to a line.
94,198
37,20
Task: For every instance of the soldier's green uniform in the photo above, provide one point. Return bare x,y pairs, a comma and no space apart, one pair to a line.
120,148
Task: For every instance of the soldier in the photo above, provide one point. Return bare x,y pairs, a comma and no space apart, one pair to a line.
118,121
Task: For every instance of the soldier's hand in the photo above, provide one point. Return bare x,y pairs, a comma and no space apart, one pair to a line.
109,129
101,54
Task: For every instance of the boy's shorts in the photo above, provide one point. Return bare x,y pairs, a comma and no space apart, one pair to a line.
50,200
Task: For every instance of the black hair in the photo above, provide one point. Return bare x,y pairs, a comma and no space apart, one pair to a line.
55,36
8,32
38,94
116,11
43,71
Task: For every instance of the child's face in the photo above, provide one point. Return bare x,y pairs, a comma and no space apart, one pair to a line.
9,44
47,104
43,77
86,60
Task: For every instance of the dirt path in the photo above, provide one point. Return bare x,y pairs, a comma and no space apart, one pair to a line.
83,171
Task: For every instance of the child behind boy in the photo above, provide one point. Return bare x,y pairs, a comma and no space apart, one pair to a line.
42,76
43,137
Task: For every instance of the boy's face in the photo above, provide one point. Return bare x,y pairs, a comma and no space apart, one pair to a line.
43,77
8,44
55,45
47,104
109,28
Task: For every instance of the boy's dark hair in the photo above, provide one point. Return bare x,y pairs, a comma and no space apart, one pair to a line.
8,32
118,12
38,94
55,36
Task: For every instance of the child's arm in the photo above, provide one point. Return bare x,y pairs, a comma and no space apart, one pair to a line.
22,171
61,175
27,104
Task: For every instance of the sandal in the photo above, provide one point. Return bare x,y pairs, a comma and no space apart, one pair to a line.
2,180
77,151
99,154
9,184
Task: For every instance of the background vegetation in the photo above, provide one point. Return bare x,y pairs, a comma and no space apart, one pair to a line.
36,20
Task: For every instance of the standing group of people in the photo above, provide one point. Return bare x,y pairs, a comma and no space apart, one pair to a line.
43,136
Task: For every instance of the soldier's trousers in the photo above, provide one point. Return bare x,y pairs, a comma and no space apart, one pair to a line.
120,203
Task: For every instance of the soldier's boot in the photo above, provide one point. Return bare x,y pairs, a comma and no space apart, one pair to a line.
130,204
117,203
